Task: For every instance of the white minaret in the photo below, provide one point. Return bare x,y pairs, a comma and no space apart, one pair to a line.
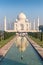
30,25
5,23
34,24
38,23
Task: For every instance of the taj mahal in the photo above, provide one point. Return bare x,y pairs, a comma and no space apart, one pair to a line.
21,24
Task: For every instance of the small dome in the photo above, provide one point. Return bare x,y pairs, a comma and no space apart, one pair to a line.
16,20
22,16
26,20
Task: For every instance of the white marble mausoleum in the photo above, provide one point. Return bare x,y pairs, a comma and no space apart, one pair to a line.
22,24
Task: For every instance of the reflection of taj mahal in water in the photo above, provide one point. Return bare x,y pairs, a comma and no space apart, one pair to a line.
22,24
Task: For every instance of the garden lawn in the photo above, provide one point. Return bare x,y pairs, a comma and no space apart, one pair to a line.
3,42
37,41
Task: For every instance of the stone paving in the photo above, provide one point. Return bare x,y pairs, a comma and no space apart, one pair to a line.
5,48
38,48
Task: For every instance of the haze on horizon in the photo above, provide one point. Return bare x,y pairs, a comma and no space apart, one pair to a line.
11,8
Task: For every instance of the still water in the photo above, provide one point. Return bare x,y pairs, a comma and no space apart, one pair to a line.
21,53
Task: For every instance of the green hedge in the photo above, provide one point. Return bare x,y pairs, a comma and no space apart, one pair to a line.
8,34
38,35
7,37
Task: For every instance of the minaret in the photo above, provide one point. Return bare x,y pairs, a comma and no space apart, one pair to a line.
5,23
38,24
34,24
30,25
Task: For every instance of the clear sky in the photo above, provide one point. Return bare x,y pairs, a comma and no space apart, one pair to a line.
11,8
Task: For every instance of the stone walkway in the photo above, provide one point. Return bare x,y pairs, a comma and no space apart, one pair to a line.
5,48
38,48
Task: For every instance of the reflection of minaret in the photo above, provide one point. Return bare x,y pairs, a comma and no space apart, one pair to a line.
5,23
34,24
38,23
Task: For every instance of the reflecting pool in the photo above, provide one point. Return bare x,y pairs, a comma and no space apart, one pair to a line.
21,53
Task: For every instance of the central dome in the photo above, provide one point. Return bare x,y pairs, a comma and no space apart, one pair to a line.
22,16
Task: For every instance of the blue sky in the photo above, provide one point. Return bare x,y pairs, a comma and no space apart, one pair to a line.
11,8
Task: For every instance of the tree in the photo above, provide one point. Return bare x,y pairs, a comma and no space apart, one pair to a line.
41,28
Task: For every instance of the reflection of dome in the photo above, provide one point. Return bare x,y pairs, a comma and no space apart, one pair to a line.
22,16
